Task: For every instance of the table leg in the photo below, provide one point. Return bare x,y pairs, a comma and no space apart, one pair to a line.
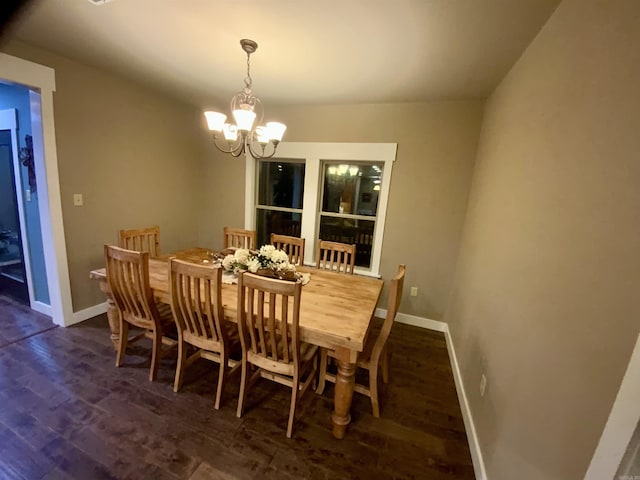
113,314
345,383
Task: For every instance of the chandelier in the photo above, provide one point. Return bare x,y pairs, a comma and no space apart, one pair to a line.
246,134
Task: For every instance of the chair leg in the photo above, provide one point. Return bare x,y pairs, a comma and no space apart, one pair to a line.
182,360
373,389
322,370
222,377
386,358
155,354
122,341
292,408
314,379
243,387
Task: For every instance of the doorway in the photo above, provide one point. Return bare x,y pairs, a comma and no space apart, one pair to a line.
40,81
12,266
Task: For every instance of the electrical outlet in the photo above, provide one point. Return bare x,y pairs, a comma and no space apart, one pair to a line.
78,201
414,291
483,384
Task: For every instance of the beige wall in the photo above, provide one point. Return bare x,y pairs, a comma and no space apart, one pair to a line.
133,153
141,158
431,177
545,300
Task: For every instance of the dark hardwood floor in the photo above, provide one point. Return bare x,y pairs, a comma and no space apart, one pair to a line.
67,413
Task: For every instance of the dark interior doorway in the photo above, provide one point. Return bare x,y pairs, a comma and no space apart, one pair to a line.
12,268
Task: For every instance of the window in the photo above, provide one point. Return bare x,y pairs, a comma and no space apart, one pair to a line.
349,205
280,194
332,191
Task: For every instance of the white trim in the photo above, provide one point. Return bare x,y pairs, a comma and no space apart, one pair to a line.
8,121
313,154
620,425
250,193
41,307
467,417
87,313
469,426
312,199
427,323
42,79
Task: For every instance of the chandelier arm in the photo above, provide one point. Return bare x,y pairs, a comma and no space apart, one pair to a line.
239,151
257,155
230,148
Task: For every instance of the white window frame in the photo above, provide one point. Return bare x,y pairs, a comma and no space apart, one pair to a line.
313,155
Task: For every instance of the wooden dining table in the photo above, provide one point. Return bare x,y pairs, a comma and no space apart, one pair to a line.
335,312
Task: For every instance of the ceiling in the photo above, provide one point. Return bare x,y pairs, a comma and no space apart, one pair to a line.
310,52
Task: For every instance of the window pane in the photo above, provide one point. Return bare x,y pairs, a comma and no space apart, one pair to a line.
273,221
352,188
280,184
346,230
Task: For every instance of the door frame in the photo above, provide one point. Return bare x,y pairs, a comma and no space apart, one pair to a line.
622,421
9,121
41,81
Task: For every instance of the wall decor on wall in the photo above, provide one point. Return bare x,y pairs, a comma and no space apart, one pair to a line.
26,157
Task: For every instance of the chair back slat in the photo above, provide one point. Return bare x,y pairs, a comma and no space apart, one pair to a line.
335,256
239,238
128,279
141,240
293,246
196,300
268,317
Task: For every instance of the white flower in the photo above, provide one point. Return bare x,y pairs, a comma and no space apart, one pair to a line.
267,251
253,265
227,262
241,255
278,256
268,257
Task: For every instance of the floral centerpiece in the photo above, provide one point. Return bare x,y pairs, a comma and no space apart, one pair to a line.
267,261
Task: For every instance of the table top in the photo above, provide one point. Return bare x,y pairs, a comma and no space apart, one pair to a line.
335,309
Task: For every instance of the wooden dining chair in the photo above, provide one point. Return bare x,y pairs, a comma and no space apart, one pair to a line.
239,238
293,246
375,353
196,302
336,256
268,322
141,240
128,278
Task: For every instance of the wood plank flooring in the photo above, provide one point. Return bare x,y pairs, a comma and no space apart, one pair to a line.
67,413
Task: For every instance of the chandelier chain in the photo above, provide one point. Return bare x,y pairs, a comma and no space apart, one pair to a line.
247,81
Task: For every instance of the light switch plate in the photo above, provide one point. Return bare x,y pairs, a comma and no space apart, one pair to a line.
78,201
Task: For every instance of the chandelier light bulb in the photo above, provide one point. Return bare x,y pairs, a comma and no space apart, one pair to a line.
230,132
276,130
244,119
215,120
263,135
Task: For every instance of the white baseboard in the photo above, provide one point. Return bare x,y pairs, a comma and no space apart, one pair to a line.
41,308
422,322
472,438
469,426
87,313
